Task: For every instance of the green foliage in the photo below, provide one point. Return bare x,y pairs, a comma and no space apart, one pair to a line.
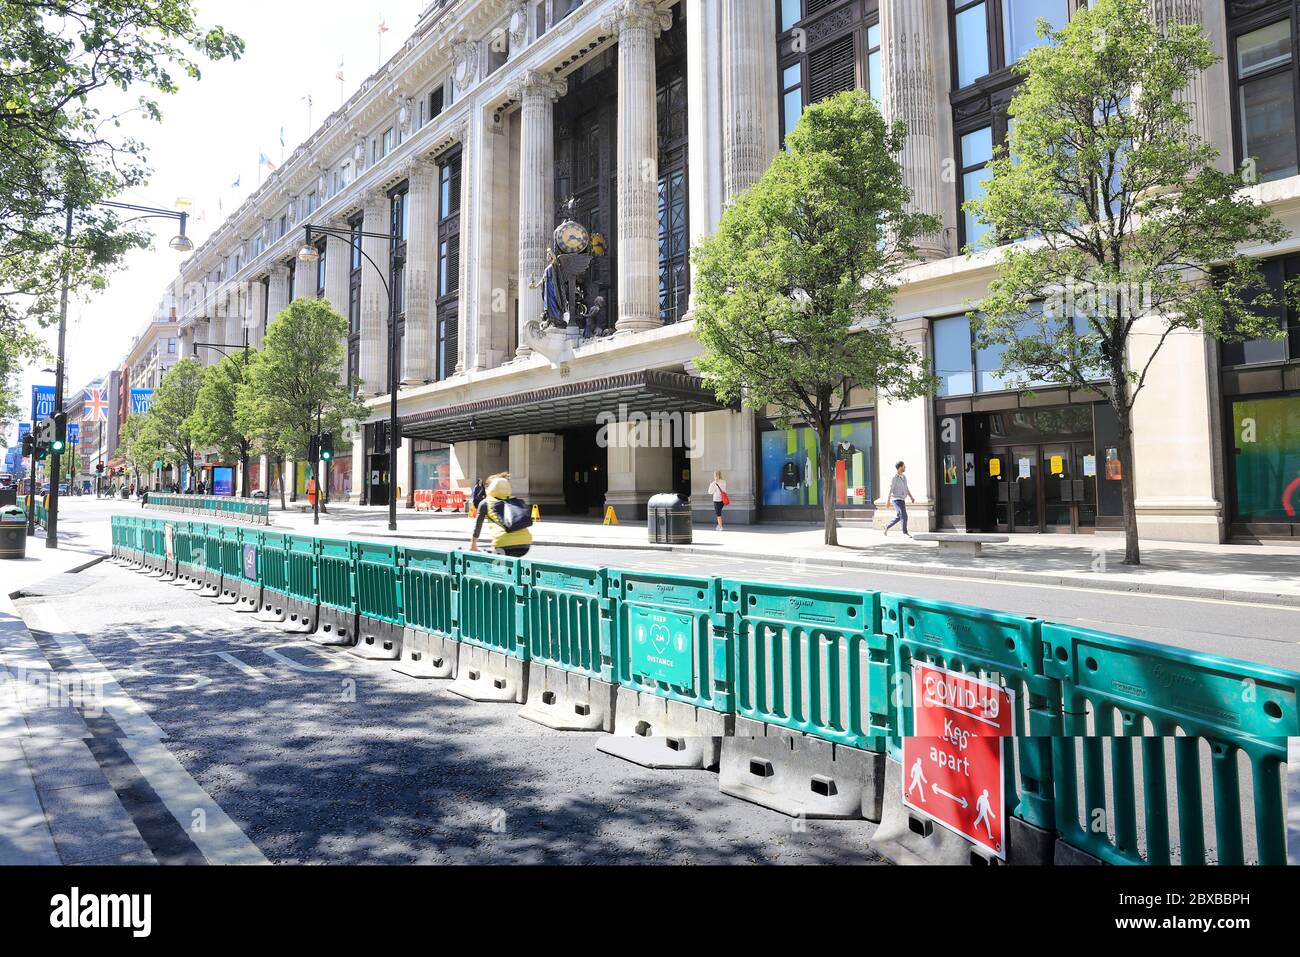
172,410
139,443
61,63
295,380
213,423
1129,215
794,292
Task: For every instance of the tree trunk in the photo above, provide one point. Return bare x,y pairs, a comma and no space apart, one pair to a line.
243,467
280,462
828,485
1132,553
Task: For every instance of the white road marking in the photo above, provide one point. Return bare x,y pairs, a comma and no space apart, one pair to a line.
220,839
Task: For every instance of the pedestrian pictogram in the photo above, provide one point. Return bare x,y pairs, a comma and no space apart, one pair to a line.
954,757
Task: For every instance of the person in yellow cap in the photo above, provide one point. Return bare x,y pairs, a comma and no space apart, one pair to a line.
516,543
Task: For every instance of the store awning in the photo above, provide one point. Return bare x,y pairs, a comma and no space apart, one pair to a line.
562,407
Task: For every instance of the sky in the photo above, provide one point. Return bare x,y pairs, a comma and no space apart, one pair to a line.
211,135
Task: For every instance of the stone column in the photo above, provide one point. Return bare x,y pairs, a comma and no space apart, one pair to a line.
278,294
724,441
538,93
704,104
338,271
490,244
912,68
537,468
637,24
636,470
749,134
255,313
374,301
904,432
418,340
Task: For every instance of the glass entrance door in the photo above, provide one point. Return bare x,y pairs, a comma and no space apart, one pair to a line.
1019,504
1085,487
1058,488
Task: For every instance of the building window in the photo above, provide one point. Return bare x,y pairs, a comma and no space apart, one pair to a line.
791,470
1277,274
1264,75
293,279
988,36
963,367
1265,457
354,304
387,146
435,103
976,152
845,55
447,299
321,248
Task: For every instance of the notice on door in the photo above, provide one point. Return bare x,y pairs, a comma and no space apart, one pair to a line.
1026,468
953,763
1058,464
1090,466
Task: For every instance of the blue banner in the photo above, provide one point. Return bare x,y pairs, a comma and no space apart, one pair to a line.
141,399
74,433
42,402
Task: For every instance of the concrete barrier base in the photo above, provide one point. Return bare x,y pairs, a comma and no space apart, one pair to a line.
483,675
301,618
906,837
655,732
249,598
1064,855
799,775
568,702
272,606
377,640
229,592
427,656
334,627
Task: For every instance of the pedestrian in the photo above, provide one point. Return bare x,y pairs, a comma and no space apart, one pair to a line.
311,492
478,494
900,495
718,492
508,516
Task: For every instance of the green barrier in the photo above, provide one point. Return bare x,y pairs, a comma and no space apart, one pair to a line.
803,657
565,627
1120,694
669,640
491,604
991,645
274,565
234,509
428,590
379,601
302,608
337,585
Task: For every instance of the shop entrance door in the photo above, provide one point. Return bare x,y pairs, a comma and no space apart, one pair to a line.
1019,505
1045,488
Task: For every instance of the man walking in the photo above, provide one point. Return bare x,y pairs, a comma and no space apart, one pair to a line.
900,495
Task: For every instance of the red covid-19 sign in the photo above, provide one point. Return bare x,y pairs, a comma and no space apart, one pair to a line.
953,762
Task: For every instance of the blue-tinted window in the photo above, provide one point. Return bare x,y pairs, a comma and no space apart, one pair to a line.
790,14
952,356
976,151
1020,22
972,27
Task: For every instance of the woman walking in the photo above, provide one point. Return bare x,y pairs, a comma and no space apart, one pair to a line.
718,492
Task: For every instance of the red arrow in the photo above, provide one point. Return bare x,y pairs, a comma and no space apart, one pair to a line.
1286,497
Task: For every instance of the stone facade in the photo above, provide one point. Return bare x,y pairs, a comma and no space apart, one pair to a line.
484,77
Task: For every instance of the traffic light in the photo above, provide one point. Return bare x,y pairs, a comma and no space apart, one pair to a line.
326,446
381,438
313,448
59,441
99,467
29,444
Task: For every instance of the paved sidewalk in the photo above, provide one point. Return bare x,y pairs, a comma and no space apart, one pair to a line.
81,544
56,805
1256,573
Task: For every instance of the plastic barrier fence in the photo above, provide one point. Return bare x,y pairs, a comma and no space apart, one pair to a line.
1129,752
253,511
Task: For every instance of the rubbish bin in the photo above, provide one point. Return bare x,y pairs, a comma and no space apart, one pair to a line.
13,532
669,520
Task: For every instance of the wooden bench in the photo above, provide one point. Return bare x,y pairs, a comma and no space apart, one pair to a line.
961,543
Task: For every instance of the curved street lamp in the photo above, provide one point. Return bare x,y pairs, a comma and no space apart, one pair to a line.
309,255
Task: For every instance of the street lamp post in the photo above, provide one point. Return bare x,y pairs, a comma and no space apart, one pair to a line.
181,243
310,254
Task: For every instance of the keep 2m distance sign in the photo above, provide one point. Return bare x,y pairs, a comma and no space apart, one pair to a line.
953,769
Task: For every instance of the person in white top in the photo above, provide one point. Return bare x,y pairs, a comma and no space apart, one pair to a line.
718,492
898,491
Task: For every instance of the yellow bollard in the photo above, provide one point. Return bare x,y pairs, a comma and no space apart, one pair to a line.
537,513
611,517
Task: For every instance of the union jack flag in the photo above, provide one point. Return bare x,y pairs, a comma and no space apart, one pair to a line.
95,406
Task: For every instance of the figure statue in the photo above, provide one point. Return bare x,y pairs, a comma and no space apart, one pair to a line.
566,289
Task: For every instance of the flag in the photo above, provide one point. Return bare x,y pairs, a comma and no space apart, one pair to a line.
308,99
383,25
339,74
281,136
183,202
265,160
235,184
94,406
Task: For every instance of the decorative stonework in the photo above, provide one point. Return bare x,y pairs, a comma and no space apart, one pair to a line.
537,92
465,55
1167,13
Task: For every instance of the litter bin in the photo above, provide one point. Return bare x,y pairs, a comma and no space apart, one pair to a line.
669,520
13,532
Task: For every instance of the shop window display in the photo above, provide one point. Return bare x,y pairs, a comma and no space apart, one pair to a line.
792,473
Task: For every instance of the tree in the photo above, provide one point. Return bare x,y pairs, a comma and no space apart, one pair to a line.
296,389
139,444
64,67
1133,232
794,292
171,412
214,422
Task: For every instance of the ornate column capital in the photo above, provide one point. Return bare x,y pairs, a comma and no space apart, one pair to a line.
534,85
636,15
